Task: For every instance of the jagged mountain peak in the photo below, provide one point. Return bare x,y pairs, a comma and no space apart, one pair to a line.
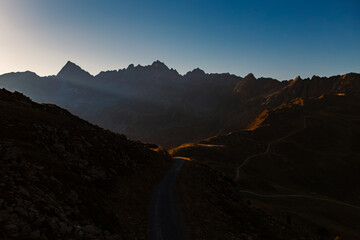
250,76
131,66
159,65
315,77
297,78
71,69
295,82
70,63
69,66
197,72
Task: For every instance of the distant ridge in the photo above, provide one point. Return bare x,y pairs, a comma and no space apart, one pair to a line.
155,103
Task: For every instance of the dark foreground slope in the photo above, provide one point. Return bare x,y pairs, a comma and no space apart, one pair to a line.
63,178
297,164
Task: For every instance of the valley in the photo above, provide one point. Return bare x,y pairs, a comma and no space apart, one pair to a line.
179,120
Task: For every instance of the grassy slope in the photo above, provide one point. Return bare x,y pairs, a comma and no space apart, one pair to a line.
318,159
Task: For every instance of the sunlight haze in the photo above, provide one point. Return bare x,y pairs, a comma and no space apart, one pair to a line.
281,39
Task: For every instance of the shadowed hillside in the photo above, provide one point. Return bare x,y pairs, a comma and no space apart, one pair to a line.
63,178
298,162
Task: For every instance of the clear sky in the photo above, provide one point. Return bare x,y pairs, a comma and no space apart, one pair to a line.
275,38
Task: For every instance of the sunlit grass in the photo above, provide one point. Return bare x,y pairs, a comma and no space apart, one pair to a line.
194,145
210,145
258,120
184,158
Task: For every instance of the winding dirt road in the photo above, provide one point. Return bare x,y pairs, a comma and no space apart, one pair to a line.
164,221
300,196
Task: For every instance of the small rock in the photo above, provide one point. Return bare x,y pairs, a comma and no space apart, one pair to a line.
24,191
64,228
32,216
91,230
43,237
35,234
40,220
4,215
73,196
12,153
10,209
12,228
21,211
54,224
59,148
26,230
15,235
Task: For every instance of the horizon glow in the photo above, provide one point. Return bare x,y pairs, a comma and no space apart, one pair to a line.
281,39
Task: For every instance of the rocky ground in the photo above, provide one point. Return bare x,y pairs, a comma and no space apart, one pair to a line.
63,178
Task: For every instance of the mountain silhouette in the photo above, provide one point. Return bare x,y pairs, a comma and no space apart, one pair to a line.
155,103
73,71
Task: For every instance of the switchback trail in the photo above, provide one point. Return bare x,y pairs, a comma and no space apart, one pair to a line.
268,148
163,220
301,196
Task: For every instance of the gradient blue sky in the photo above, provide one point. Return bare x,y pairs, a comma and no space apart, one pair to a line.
280,39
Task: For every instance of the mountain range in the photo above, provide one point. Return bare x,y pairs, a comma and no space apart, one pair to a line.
156,104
